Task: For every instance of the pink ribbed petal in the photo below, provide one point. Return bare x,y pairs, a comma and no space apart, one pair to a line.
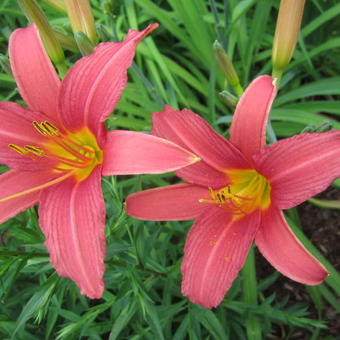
35,76
16,128
215,251
189,130
93,86
129,152
203,174
248,128
199,173
14,181
285,252
300,167
173,202
72,218
18,181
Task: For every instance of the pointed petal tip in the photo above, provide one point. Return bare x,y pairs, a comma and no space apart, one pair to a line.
130,152
144,33
33,71
192,132
248,128
150,28
275,81
99,91
96,293
285,252
207,304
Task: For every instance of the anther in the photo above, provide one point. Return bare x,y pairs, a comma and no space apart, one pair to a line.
39,128
50,128
18,149
35,150
46,128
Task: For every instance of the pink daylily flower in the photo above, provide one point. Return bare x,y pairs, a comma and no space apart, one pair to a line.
58,150
237,193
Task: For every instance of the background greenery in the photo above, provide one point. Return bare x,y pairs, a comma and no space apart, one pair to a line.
176,66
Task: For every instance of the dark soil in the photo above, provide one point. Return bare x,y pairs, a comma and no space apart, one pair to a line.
322,226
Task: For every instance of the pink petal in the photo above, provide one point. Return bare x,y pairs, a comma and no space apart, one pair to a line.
72,218
173,202
128,152
215,251
192,132
199,173
300,167
16,128
248,128
285,252
14,181
203,174
35,76
28,182
93,86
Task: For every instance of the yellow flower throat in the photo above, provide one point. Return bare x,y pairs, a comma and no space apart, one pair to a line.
73,152
247,192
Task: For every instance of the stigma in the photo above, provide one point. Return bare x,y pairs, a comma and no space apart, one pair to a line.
247,192
76,152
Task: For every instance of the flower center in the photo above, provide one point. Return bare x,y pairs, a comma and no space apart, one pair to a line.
247,192
72,152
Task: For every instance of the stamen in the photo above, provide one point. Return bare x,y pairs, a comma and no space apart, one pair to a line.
67,161
248,191
225,197
46,128
50,128
243,198
65,137
75,152
18,149
37,126
35,150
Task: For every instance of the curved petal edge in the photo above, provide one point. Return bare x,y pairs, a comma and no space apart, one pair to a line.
33,71
285,252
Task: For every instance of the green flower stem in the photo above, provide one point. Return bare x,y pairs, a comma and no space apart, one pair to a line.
250,296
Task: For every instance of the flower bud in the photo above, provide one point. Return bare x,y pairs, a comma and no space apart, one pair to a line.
331,204
286,34
229,99
227,67
57,4
35,15
80,14
323,126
